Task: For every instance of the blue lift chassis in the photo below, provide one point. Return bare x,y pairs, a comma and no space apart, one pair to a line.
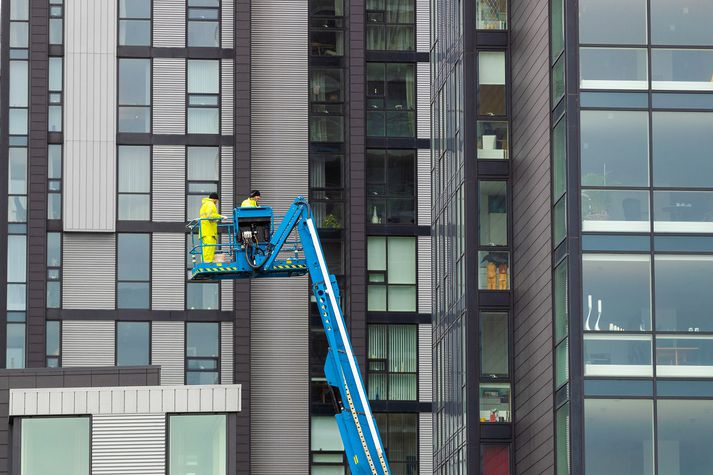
253,250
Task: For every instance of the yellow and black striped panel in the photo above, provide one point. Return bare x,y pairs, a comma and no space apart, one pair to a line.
215,269
290,267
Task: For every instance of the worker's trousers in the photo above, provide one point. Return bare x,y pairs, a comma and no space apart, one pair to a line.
209,243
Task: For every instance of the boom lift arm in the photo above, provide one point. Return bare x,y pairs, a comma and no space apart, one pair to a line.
253,251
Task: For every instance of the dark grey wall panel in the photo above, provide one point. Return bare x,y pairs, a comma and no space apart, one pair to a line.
534,434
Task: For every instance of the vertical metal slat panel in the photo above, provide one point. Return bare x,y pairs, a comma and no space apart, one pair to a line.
226,353
169,183
129,444
227,26
423,172
87,343
169,96
423,101
226,181
89,258
168,271
168,351
169,23
423,32
425,442
425,378
90,116
226,91
424,274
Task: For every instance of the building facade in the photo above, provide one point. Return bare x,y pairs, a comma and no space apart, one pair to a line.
120,116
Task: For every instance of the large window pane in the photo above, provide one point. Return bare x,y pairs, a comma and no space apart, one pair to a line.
682,143
324,434
197,445
683,211
615,148
15,354
203,34
491,14
495,459
618,437
57,445
683,443
682,69
133,257
203,76
132,343
202,339
556,28
399,433
625,22
615,355
615,211
562,448
683,293
203,120
491,83
200,296
492,140
203,164
561,299
494,271
495,402
494,344
17,182
613,68
493,214
401,260
616,292
681,22
559,158
134,82
684,356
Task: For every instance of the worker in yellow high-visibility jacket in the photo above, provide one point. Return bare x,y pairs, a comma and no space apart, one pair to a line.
252,201
209,225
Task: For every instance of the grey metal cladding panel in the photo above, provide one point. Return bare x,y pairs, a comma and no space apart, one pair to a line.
423,174
226,295
169,183
226,353
425,442
169,23
168,351
226,181
87,343
423,100
280,380
129,444
168,271
226,91
424,274
531,202
423,32
227,24
89,201
88,258
425,371
169,96
279,132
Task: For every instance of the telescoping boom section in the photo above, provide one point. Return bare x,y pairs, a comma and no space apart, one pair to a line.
251,248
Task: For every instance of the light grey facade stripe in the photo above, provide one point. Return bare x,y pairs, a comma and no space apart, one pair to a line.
226,181
168,350
89,258
168,271
169,96
226,352
226,93
425,442
169,23
89,201
423,32
227,25
423,100
424,274
425,375
128,444
169,183
226,295
87,343
423,172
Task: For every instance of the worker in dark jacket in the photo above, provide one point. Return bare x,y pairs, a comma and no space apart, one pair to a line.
209,226
252,201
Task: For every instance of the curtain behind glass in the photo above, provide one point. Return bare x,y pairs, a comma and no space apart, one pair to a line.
134,170
203,76
402,359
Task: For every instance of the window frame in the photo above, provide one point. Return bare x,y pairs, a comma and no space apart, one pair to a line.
58,356
213,95
120,193
229,442
385,283
187,359
149,280
116,340
384,111
218,21
121,19
387,196
148,106
384,25
386,371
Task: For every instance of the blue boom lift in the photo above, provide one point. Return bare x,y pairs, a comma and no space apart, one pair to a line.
254,250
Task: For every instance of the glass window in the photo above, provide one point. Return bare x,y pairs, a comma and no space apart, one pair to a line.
613,68
616,292
494,271
392,274
134,23
557,28
325,126
203,96
562,363
495,459
197,444
493,213
559,221
618,436
686,356
324,434
624,100
558,81
682,69
134,95
391,25
54,249
326,171
676,22
493,139
327,85
326,37
326,8
15,355
134,183
682,142
17,183
203,163
52,343
54,445
495,402
391,186
18,84
615,148
391,100
494,344
684,431
392,362
132,343
617,355
562,449
683,293
202,296
683,211
202,353
133,259
491,14
399,433
625,22
203,23
559,153
561,299
615,211
491,83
